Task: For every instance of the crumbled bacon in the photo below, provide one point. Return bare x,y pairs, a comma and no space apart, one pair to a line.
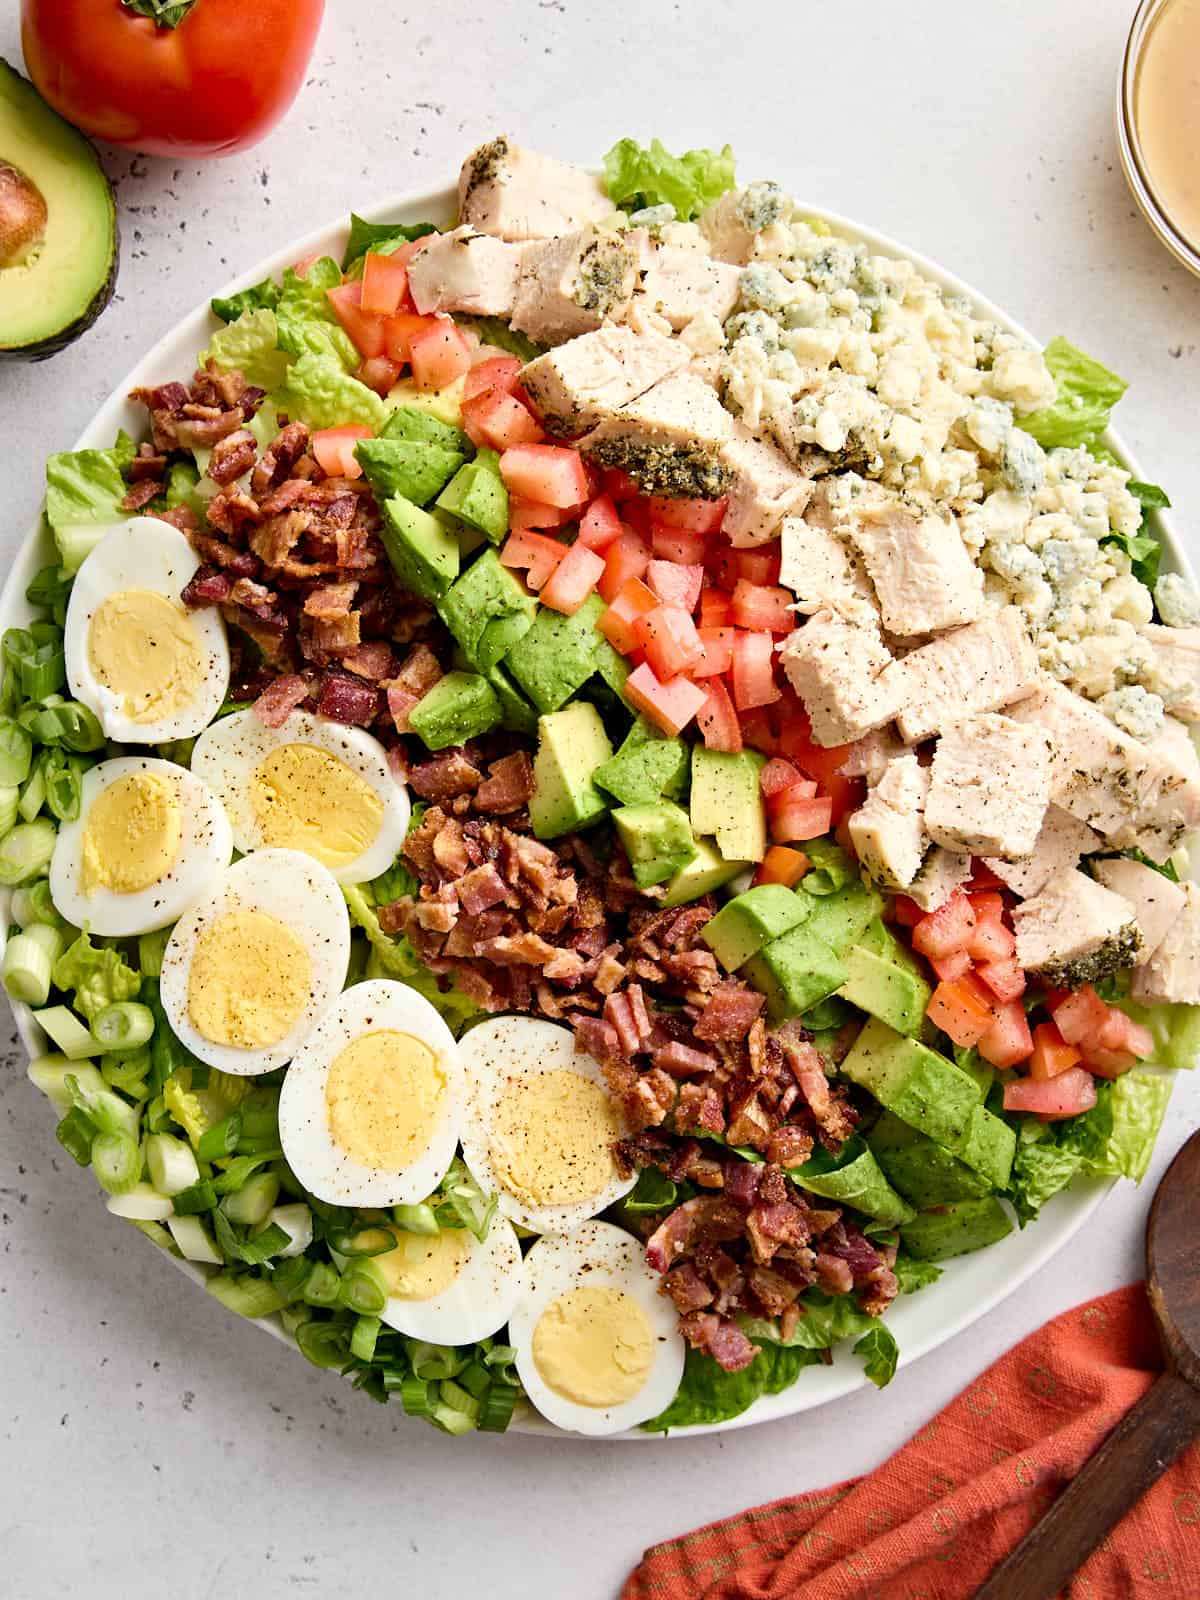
140,494
347,699
279,699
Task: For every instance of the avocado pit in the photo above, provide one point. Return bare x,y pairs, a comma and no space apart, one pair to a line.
23,216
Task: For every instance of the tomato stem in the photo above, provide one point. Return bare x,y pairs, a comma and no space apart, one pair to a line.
166,13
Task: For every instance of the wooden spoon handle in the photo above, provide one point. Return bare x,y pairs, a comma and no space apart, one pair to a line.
1136,1453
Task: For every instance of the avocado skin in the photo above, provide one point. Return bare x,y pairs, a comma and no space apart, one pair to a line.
43,349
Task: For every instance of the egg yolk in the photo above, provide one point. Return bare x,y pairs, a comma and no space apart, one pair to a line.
249,981
384,1096
305,799
551,1138
424,1265
144,650
131,837
594,1346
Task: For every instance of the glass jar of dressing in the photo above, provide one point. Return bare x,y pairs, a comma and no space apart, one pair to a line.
1158,122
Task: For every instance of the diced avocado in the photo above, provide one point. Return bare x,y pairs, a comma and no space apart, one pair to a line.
922,1171
516,714
476,495
976,1068
853,1178
658,840
572,743
421,427
443,404
647,766
706,871
726,801
488,610
842,917
414,470
422,549
794,972
890,993
918,1085
956,1229
612,666
879,939
751,920
988,1147
558,654
460,706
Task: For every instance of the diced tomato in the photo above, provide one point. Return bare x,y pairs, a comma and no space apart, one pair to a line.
600,524
991,940
696,516
819,762
946,930
777,776
547,472
718,720
795,815
989,906
675,585
961,1009
627,557
1008,1040
379,373
1134,1038
1051,1053
532,514
982,876
637,514
675,544
439,356
384,283
300,268
951,967
668,636
762,609
1004,978
671,705
906,912
497,372
499,421
410,248
1081,1016
620,485
534,552
1065,1095
759,566
1107,1063
715,606
333,449
365,331
758,732
632,600
398,332
781,864
753,670
718,652
573,579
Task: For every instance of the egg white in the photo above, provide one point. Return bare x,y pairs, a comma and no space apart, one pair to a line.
298,891
205,848
477,1303
143,553
228,754
596,1255
510,1050
321,1166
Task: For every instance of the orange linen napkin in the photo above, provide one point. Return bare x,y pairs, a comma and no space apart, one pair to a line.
932,1522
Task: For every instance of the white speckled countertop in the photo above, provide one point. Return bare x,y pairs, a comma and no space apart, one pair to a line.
151,1443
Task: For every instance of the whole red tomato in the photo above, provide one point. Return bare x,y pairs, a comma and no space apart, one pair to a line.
214,83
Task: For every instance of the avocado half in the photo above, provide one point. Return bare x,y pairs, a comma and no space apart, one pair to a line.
58,226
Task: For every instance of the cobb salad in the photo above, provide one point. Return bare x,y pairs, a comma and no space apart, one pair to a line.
606,787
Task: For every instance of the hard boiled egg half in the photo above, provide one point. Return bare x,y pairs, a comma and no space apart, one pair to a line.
252,967
149,668
371,1107
311,785
149,838
598,1348
541,1123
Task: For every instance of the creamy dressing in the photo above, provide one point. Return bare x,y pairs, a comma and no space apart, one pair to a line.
1167,113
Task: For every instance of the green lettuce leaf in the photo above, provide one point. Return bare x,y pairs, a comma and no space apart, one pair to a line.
262,296
251,344
1040,1169
912,1274
880,1353
709,1394
382,237
87,486
396,958
827,1319
1116,1137
494,330
96,975
307,323
853,1178
318,392
832,869
1087,392
1142,548
637,176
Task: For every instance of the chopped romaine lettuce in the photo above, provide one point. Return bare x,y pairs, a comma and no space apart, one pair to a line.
1087,392
1116,1137
382,237
1040,1169
1142,548
396,958
912,1274
317,391
637,176
709,1394
260,296
251,344
96,975
84,488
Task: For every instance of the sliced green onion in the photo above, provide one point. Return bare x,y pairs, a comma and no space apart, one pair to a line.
414,1396
376,1240
496,1407
364,1289
155,1232
222,1139
433,1362
194,1240
180,750
362,1340
289,1274
50,1074
251,1204
475,1379
75,1133
323,1286
32,903
292,1316
10,800
240,1168
416,1219
28,959
128,1073
195,1198
296,1221
117,1162
463,1203
259,1112
107,1110
171,1164
33,790
124,1025
323,1343
453,1394
26,850
150,952
167,1053
262,1246
247,1295
62,1026
451,1416
48,590
16,753
140,1204
65,722
64,785
501,1359
35,654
